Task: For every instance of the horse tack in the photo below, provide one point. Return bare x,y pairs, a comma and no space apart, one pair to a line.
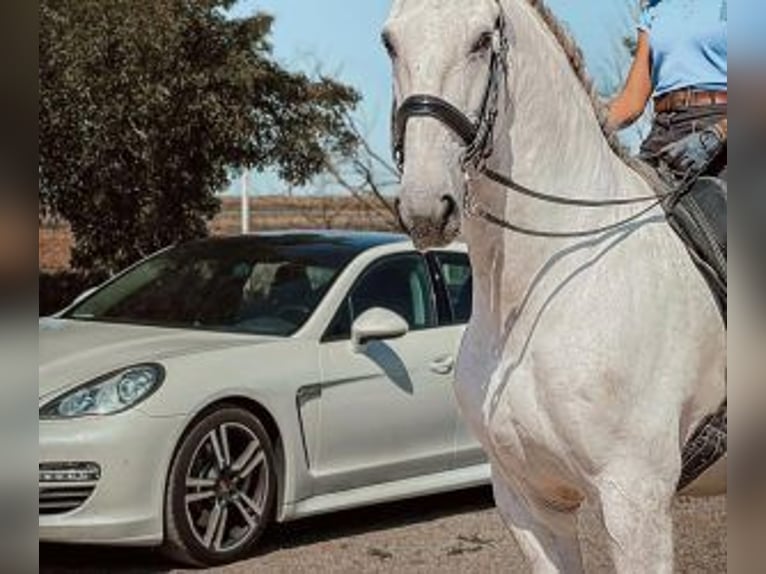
475,135
708,441
520,389
477,138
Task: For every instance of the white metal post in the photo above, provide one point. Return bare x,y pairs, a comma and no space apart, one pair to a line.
245,209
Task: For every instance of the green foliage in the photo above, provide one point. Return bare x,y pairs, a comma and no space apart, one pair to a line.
146,106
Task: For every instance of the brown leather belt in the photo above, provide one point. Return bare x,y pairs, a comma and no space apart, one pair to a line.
688,98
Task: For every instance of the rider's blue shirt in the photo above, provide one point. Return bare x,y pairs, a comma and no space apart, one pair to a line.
688,44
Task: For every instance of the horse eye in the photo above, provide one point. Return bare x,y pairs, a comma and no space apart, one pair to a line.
388,45
483,44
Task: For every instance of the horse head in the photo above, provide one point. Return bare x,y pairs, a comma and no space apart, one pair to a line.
448,59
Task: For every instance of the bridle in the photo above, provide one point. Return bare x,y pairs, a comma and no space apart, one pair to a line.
477,136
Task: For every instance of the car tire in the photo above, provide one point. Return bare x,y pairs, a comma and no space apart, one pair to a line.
221,489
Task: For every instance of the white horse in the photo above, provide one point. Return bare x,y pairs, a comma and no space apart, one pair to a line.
589,359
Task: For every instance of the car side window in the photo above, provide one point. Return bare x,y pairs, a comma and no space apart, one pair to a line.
400,284
456,271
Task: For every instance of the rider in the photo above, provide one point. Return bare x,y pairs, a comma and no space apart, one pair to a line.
680,61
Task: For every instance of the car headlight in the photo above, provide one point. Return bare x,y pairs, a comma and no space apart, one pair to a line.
107,395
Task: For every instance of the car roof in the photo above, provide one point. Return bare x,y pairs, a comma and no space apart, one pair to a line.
354,242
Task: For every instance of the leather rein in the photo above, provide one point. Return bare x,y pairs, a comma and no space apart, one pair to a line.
477,138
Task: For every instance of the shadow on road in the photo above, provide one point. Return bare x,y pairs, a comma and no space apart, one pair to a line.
61,559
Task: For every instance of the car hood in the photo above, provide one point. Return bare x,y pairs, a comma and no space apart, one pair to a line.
75,352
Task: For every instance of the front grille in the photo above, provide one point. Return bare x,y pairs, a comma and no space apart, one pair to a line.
61,498
65,487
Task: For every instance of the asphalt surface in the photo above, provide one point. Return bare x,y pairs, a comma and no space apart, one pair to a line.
457,532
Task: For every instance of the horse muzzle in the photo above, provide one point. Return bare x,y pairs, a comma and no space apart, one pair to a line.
433,223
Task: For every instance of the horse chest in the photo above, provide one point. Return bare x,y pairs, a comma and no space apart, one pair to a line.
498,408
510,417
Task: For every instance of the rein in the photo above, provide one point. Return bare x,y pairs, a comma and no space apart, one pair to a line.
477,138
478,211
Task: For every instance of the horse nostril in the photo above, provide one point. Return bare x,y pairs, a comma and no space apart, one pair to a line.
448,209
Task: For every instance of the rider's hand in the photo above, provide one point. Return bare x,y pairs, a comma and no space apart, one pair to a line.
692,153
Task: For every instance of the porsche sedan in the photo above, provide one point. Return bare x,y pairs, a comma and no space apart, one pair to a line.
226,383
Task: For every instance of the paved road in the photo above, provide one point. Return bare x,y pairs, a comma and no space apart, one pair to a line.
452,533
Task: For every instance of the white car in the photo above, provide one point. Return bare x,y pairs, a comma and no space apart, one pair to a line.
225,383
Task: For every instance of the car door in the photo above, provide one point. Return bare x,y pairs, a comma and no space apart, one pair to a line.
454,288
386,412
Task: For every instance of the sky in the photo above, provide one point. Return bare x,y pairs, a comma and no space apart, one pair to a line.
341,38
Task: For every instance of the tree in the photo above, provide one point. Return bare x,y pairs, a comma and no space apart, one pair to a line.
366,175
145,106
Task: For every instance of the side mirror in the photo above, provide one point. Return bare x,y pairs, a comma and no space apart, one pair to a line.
377,324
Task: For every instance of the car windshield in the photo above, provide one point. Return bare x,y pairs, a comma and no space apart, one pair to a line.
248,285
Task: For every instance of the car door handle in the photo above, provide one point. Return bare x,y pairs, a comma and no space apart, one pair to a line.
443,365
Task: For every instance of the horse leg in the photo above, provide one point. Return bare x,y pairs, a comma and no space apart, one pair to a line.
546,536
636,510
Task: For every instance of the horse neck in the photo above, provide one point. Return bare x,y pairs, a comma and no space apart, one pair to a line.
556,140
552,142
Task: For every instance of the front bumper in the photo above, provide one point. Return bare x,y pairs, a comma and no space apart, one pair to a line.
133,451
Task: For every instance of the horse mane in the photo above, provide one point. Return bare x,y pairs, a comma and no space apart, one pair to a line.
577,62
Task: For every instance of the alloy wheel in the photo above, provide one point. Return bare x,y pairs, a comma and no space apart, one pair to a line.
226,487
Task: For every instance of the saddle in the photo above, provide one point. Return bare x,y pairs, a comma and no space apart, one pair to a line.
698,215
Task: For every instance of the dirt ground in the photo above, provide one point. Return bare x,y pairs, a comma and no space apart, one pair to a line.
451,533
